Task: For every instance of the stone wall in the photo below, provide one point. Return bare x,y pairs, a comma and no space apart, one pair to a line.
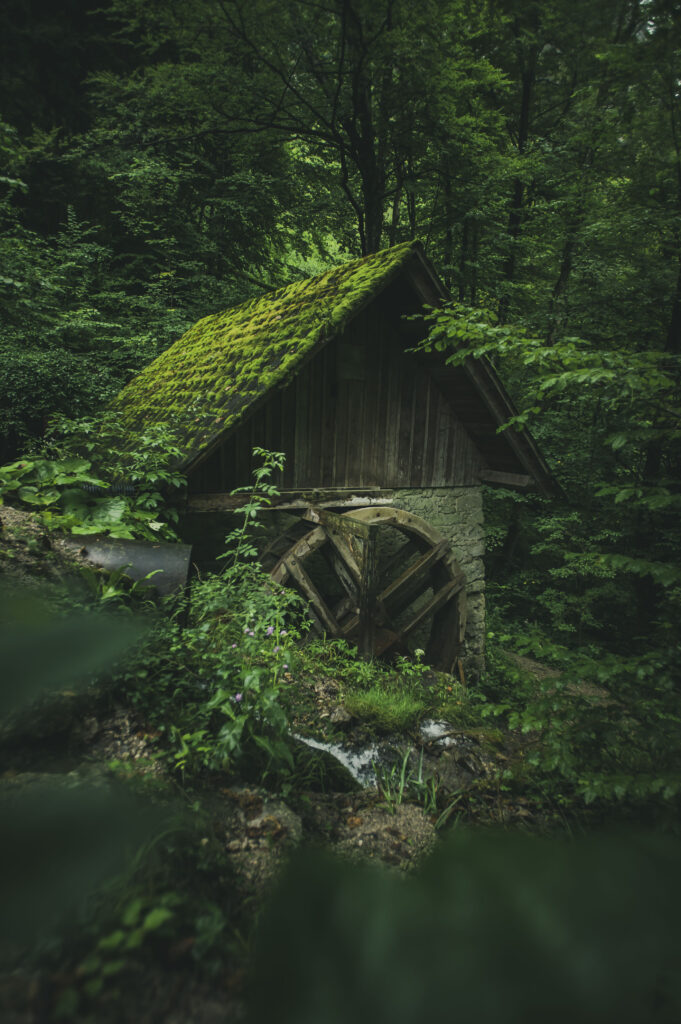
457,513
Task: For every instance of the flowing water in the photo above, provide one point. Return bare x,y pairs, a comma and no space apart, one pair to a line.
437,732
360,761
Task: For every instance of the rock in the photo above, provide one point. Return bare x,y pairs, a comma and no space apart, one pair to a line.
340,716
452,774
262,840
400,839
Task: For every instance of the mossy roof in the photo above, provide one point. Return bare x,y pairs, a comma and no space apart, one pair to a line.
205,382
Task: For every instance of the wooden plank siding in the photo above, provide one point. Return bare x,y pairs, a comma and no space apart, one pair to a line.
361,413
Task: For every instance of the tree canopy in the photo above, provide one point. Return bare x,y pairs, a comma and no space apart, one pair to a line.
169,163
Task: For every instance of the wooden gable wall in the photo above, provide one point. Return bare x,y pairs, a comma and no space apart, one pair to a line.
360,413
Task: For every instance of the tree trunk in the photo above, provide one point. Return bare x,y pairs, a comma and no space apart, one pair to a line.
648,592
515,216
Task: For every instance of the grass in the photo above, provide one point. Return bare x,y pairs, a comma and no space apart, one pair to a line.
387,708
462,710
388,698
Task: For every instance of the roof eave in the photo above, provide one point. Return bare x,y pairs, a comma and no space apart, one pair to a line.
485,379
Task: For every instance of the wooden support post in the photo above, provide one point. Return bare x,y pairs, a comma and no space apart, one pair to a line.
449,625
365,640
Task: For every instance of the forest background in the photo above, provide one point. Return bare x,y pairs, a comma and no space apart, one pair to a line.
161,161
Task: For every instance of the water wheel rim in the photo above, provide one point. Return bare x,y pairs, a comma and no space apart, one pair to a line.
436,565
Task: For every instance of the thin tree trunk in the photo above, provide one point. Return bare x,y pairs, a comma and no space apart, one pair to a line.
473,262
647,591
395,211
515,216
463,259
448,251
562,280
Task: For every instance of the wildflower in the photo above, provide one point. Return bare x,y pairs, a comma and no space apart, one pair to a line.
238,697
251,632
245,629
270,630
276,649
283,633
285,666
233,646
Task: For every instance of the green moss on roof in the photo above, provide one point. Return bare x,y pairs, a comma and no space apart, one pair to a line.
204,383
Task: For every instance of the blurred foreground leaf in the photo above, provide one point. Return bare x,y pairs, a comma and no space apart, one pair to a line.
41,652
494,928
61,839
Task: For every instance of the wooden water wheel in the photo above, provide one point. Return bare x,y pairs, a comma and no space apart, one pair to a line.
381,578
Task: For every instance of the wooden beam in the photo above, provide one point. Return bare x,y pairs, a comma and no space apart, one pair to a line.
292,499
447,635
345,526
493,476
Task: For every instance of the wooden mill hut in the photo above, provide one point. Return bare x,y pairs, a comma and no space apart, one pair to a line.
380,519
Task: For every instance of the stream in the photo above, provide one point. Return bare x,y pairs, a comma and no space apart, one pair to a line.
360,761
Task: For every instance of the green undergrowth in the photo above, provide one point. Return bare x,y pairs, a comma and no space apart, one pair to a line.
386,697
178,902
599,730
77,480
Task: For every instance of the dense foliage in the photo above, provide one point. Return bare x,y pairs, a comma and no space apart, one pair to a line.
186,156
160,162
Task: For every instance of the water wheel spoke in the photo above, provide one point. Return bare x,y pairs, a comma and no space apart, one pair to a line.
386,640
346,606
317,626
349,627
405,589
346,555
381,617
349,581
305,584
400,558
282,543
437,600
312,541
